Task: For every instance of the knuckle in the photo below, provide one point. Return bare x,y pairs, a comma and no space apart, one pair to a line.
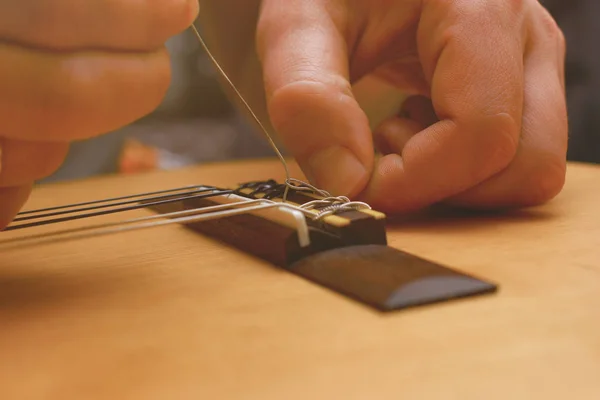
481,11
502,142
548,25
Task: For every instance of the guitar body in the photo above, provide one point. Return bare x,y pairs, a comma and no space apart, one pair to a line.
184,311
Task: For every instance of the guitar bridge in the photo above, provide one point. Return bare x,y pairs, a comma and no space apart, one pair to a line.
331,241
348,250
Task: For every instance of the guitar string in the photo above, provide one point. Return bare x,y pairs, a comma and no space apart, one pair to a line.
105,204
106,225
173,218
325,206
107,200
290,183
118,210
181,217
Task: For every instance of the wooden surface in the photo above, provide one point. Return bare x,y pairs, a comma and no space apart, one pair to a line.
167,314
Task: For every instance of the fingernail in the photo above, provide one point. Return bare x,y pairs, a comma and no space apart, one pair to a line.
337,170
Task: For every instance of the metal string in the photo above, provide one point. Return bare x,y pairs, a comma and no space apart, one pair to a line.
106,204
330,205
178,217
88,203
315,209
113,211
243,100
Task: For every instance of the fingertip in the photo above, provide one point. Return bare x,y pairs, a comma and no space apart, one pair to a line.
337,170
190,10
327,132
193,10
30,161
165,20
12,199
387,190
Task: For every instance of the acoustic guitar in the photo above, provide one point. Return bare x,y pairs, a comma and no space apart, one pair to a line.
221,282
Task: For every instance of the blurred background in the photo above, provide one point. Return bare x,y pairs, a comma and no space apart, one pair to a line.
196,122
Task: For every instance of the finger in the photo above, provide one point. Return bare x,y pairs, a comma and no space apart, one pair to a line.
305,66
25,162
97,24
63,97
537,173
393,134
472,54
12,200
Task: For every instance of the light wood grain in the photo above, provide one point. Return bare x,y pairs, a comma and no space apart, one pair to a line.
167,314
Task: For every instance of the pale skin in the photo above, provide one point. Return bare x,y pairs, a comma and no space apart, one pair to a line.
486,128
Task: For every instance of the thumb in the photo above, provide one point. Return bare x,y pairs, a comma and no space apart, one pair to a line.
309,97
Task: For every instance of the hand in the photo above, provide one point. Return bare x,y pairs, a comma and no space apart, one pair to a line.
72,70
485,126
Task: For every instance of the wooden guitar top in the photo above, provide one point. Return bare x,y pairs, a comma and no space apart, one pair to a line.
167,313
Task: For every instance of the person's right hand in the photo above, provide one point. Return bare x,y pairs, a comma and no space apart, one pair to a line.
485,125
71,70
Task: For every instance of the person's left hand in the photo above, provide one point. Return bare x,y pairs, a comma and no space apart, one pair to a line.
73,70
